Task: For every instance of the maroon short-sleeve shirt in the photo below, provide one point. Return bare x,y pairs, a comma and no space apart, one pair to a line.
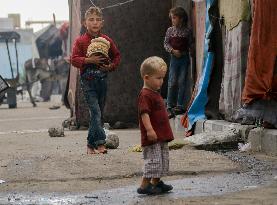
152,103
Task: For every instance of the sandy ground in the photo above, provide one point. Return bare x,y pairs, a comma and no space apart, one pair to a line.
32,161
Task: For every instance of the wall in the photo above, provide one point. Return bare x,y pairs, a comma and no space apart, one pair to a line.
138,29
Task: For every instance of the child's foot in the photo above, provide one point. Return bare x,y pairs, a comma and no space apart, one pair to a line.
164,187
102,149
92,151
178,111
149,190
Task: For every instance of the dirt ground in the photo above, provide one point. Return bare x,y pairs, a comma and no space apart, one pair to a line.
32,161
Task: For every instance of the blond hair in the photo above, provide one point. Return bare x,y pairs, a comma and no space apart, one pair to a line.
152,65
92,10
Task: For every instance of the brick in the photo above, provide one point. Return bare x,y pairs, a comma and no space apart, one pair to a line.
269,141
254,137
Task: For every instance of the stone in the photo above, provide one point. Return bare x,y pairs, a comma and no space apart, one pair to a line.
56,132
214,139
112,141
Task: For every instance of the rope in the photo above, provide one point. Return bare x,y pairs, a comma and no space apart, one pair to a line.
117,4
93,3
114,5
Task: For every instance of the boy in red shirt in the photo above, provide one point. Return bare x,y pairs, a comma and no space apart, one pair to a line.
93,70
154,127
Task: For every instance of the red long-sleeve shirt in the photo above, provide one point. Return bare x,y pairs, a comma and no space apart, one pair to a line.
80,49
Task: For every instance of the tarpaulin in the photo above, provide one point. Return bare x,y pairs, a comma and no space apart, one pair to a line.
49,43
196,110
234,11
261,79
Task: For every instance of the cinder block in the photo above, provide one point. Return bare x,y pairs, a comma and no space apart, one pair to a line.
208,126
177,129
255,138
199,126
244,131
269,141
178,126
216,125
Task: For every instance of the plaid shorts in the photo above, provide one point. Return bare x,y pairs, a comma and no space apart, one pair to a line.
156,160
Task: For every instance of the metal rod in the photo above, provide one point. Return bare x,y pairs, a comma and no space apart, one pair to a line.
9,58
16,55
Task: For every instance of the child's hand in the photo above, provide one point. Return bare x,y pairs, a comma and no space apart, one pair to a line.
106,67
176,53
95,59
151,135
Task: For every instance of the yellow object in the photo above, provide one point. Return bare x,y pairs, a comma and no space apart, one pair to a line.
99,45
172,145
136,148
234,11
176,145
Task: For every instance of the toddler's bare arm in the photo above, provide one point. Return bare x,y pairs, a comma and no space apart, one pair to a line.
151,134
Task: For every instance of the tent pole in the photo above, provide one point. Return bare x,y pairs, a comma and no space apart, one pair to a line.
9,58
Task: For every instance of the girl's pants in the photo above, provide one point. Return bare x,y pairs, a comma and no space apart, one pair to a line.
178,70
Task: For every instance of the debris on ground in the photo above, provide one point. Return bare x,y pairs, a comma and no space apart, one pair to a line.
56,132
173,145
112,139
244,147
54,107
2,181
176,144
70,123
136,148
215,139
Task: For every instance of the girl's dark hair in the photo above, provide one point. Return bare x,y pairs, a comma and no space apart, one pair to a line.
181,13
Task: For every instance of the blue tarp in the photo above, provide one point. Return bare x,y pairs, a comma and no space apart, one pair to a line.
197,108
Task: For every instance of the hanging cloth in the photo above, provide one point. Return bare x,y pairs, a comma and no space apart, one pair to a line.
261,73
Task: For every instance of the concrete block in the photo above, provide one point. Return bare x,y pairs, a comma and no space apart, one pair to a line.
255,138
177,129
216,125
269,142
178,126
244,131
208,126
199,126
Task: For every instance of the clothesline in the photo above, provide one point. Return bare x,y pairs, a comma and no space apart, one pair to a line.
114,5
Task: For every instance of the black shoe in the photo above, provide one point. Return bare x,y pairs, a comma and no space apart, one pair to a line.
178,111
170,113
150,190
164,187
